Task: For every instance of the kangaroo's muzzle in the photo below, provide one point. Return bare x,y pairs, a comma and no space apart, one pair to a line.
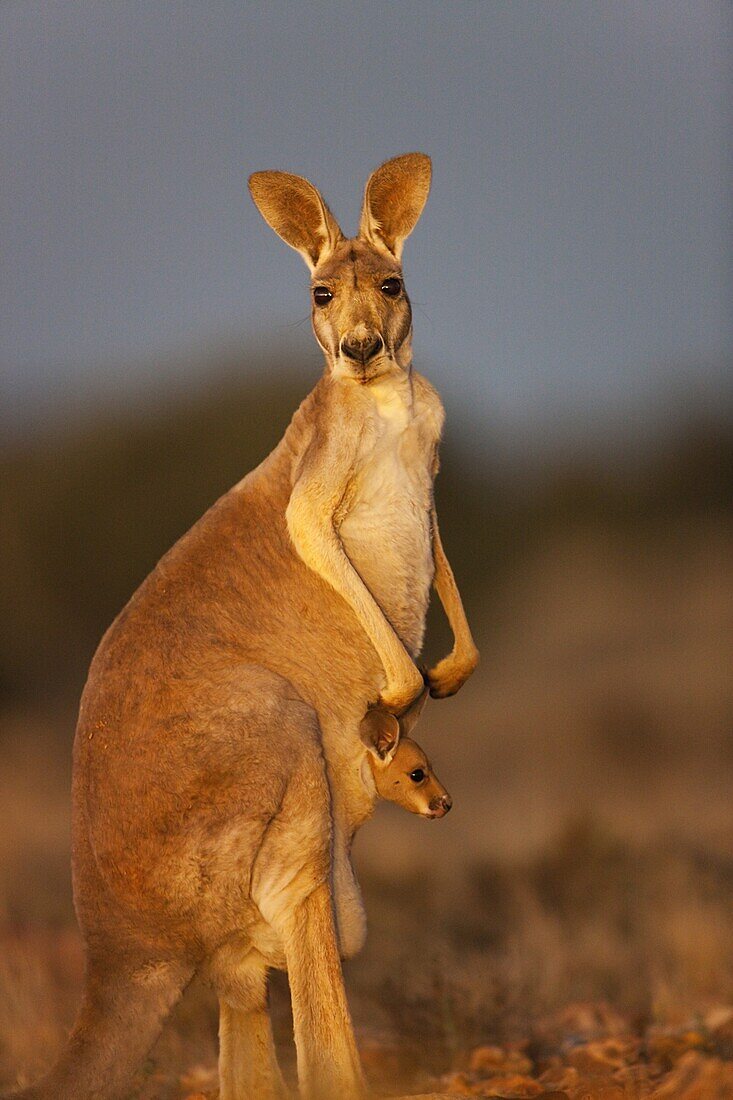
362,348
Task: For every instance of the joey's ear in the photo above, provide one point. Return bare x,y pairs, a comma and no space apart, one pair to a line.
380,732
394,198
295,210
408,720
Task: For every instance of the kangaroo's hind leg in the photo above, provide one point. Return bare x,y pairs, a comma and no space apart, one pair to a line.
125,1004
248,1068
328,1061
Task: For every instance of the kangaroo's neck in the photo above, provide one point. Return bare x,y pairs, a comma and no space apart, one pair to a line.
390,397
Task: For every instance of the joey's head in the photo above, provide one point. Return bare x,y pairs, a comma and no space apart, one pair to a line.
360,310
409,780
402,772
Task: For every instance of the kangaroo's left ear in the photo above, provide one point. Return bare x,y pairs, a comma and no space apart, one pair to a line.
380,732
394,198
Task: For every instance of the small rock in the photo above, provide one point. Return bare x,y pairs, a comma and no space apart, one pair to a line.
718,1016
636,1081
721,1037
696,1077
492,1060
594,1090
560,1078
200,1080
667,1047
603,1058
459,1083
512,1085
581,1022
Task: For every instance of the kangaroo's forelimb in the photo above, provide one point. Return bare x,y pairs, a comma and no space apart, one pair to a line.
452,672
310,515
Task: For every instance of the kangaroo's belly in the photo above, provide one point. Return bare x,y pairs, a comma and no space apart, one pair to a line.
386,534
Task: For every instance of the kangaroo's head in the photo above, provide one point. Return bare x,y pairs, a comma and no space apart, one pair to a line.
401,770
361,313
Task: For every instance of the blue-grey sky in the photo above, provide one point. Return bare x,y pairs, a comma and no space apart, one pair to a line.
573,257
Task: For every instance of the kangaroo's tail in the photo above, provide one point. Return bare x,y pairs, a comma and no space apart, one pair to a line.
121,1015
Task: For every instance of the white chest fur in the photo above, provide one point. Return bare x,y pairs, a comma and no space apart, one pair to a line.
388,460
385,525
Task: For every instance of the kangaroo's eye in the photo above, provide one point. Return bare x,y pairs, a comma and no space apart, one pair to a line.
322,295
417,776
391,287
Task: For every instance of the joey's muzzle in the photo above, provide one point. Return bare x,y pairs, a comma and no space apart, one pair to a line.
440,806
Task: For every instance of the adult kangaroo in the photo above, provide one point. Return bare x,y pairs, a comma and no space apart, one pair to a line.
219,772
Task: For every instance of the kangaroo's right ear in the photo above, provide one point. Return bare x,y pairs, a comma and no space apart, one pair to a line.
295,210
380,732
394,198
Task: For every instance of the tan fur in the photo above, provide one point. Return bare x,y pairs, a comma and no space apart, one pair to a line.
219,774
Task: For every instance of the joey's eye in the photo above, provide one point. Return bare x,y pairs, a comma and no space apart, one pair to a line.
322,295
417,776
391,287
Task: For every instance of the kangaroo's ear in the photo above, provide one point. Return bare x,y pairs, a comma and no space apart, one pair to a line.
408,720
394,198
295,210
380,732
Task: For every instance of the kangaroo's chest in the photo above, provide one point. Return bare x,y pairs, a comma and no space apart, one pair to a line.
385,517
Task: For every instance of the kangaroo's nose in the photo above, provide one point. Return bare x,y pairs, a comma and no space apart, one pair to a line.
362,348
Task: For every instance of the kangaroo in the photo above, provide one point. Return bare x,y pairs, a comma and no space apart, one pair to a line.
219,774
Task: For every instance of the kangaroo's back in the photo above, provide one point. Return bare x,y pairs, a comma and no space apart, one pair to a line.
233,590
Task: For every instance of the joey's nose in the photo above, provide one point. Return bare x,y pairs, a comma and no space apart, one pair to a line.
361,348
440,806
